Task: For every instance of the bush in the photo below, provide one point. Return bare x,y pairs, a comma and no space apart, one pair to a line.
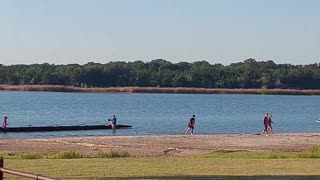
112,154
313,152
30,156
65,155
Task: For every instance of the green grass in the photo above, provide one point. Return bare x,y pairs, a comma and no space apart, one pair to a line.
252,155
164,167
309,153
64,155
29,155
112,154
222,164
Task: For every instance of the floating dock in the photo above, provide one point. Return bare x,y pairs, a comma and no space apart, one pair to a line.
60,128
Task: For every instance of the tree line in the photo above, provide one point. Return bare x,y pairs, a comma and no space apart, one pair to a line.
162,73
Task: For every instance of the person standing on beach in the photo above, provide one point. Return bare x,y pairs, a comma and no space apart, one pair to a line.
270,122
113,122
265,124
191,123
5,122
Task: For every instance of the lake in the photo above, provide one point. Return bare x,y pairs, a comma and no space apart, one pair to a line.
154,114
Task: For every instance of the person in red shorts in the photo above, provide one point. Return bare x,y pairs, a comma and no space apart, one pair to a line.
191,123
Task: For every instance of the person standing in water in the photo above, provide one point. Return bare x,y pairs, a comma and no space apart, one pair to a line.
113,122
5,122
191,124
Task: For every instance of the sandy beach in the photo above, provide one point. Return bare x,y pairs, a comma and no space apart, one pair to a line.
179,90
164,145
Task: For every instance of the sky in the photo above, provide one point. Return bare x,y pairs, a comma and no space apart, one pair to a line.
218,31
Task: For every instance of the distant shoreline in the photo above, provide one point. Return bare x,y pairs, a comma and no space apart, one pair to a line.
171,90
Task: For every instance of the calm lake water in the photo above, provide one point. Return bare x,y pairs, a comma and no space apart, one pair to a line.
153,114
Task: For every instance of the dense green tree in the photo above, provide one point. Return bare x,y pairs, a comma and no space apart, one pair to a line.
162,73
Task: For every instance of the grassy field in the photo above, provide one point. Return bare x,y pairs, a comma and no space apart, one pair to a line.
166,167
214,165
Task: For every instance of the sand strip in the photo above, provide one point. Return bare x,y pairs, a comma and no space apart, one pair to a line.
163,145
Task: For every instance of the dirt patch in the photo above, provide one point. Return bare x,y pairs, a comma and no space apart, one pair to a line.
164,145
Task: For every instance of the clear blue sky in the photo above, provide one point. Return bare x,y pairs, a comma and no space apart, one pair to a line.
219,31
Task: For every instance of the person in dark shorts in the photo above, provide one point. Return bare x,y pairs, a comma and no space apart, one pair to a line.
270,122
265,124
191,123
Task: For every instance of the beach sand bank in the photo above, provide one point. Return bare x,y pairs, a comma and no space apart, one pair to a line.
179,90
164,145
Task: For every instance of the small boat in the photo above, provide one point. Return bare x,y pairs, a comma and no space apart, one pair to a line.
60,128
318,120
